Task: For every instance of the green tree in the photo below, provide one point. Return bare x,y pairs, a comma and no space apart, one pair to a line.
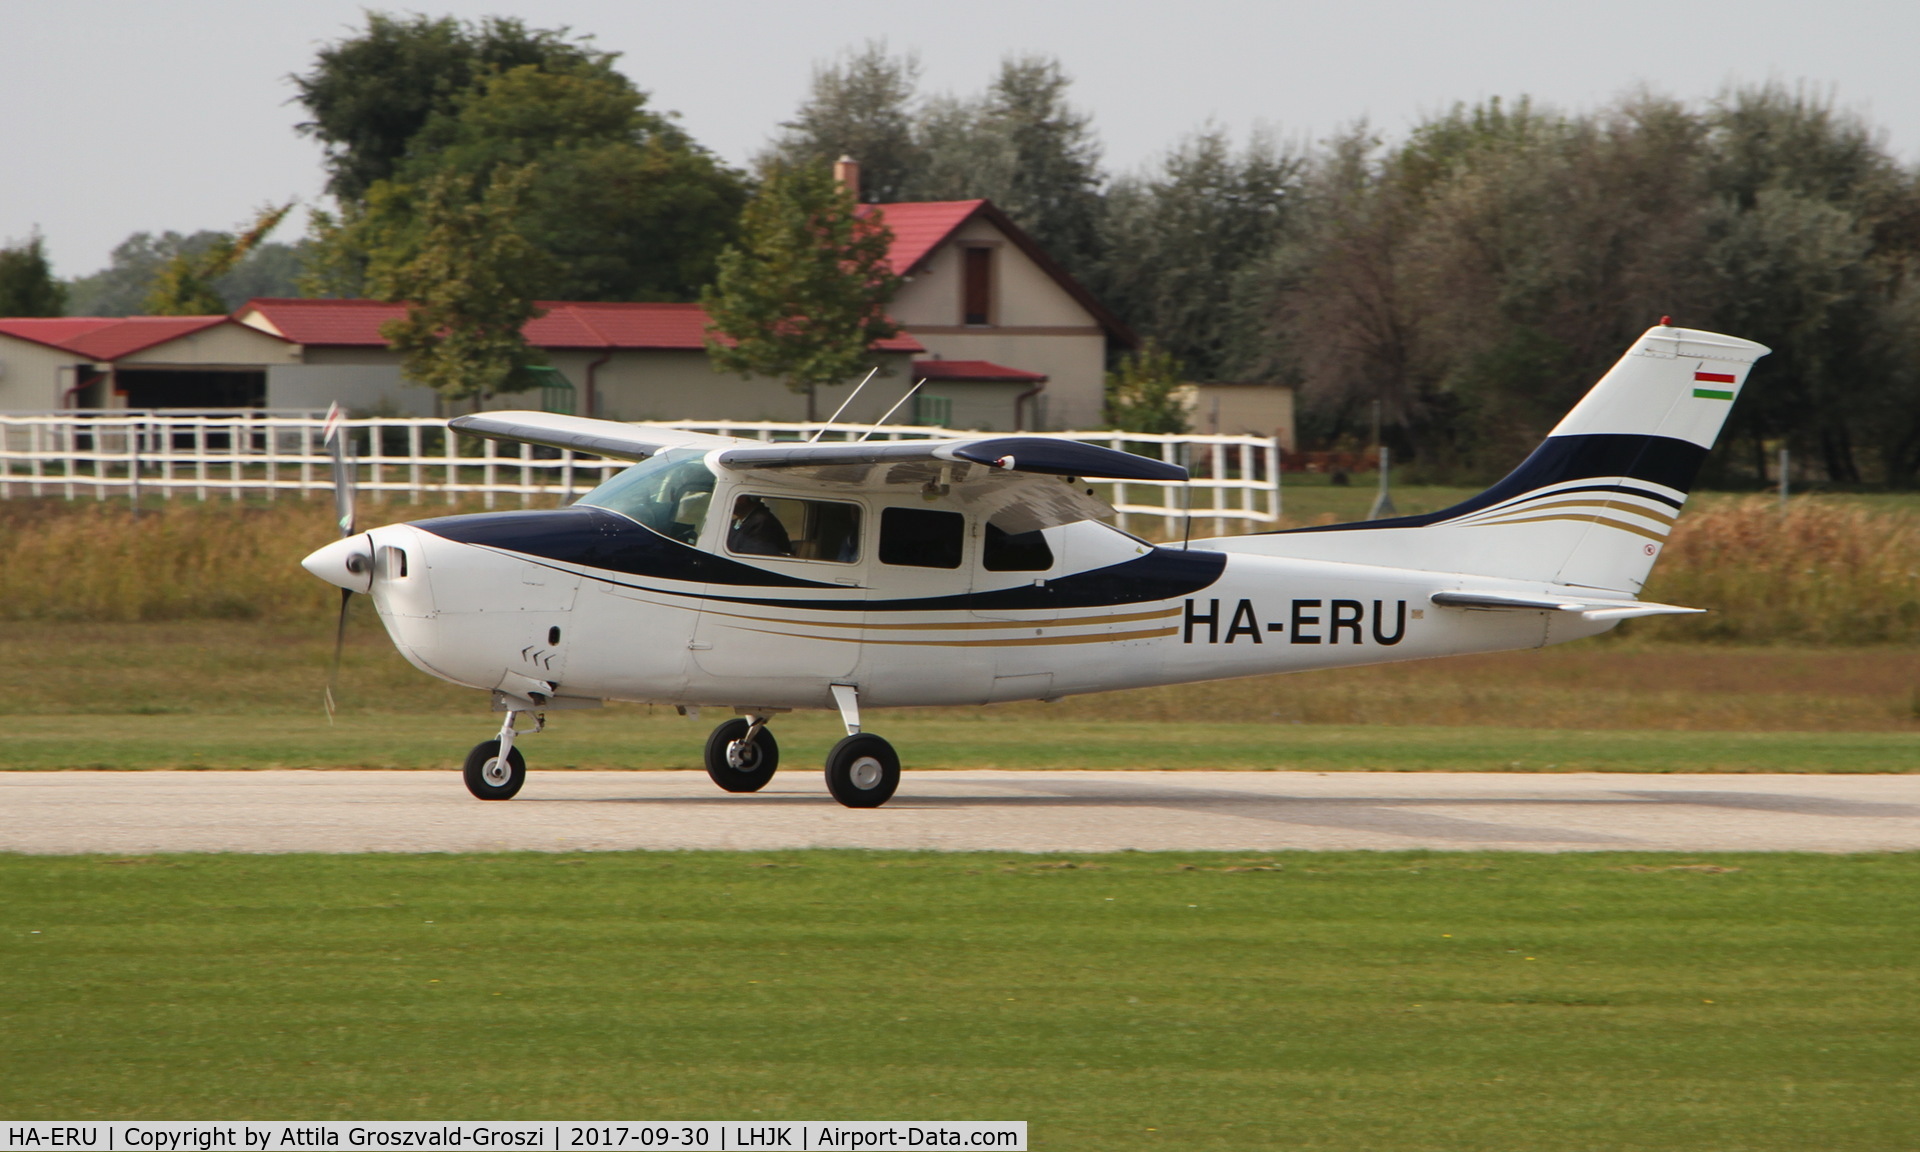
467,288
803,295
1179,241
1024,147
27,283
621,202
185,285
1143,394
371,94
860,106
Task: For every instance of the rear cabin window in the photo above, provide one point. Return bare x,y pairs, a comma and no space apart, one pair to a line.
801,529
922,537
1016,551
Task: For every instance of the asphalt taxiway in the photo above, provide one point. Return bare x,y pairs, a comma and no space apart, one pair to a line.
422,811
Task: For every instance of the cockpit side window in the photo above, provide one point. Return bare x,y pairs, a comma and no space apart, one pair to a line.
922,537
669,493
801,529
1015,551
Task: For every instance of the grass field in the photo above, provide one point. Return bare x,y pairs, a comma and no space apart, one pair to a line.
1321,1001
241,694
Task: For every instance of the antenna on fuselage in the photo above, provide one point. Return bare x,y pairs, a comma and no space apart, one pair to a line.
821,431
875,426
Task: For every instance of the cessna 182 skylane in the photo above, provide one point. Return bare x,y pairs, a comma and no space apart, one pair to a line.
771,577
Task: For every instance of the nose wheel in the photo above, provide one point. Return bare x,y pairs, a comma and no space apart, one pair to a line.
742,754
863,771
491,776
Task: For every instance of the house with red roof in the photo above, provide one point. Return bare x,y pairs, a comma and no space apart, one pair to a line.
1001,335
980,292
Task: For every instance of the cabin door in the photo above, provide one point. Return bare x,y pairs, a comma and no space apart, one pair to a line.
803,622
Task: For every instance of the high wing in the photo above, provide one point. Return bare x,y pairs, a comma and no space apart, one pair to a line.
1589,609
582,434
1018,483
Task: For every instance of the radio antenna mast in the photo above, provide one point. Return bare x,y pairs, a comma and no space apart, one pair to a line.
822,430
875,426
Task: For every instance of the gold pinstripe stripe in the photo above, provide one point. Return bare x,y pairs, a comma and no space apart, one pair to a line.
1591,519
968,625
1660,517
1015,642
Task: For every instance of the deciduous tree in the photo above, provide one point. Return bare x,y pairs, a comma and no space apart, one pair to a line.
467,288
27,284
803,295
862,105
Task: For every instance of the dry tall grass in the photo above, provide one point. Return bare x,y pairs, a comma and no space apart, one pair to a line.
84,561
1824,572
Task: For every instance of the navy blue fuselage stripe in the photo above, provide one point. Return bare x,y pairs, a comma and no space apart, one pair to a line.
1660,460
595,538
1162,574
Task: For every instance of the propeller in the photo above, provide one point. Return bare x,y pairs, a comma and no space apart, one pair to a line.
335,436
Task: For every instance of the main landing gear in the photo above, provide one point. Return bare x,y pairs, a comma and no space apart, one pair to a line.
862,770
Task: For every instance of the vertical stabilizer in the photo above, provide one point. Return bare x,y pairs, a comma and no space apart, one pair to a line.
1592,506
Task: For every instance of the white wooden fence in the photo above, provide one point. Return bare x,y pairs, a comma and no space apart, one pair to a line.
249,453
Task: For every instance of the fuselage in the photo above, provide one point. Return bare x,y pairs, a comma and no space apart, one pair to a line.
895,590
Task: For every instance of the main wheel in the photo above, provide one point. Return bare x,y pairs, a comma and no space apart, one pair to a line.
863,771
736,765
491,778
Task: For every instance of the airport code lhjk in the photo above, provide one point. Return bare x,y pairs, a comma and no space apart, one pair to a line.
548,1136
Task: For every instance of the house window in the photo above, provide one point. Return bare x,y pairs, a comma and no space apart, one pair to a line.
921,537
977,306
933,411
802,529
1016,551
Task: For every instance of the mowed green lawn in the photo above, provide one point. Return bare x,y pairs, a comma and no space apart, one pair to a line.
1326,1001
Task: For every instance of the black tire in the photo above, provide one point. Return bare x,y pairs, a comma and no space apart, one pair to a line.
757,762
501,786
863,771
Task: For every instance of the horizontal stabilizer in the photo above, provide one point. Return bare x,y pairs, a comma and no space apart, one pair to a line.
1586,609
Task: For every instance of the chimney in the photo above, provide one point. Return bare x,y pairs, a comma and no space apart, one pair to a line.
846,170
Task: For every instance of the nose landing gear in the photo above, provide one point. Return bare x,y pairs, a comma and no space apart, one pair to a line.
742,754
495,769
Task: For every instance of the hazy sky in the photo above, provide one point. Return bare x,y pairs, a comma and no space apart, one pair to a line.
118,116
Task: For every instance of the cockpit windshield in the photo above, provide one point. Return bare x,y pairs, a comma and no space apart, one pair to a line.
669,493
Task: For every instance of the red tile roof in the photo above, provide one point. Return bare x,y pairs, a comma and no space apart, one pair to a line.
974,371
566,324
920,227
106,337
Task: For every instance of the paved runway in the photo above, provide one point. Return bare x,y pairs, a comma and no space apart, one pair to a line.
359,811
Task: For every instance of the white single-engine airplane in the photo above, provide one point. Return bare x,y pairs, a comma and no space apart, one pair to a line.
769,577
